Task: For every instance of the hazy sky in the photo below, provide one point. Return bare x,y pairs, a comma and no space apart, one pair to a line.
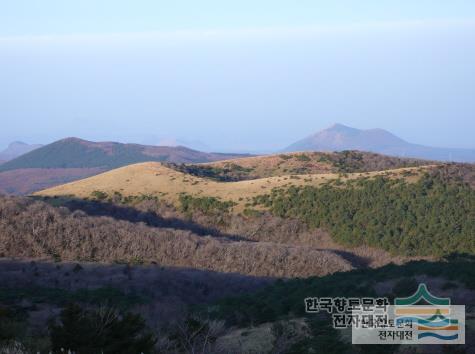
236,75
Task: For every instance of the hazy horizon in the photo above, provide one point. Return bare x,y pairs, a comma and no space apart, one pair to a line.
236,77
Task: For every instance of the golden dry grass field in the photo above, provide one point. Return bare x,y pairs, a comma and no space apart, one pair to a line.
155,179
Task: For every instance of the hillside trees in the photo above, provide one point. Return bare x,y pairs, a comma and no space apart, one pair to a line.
429,217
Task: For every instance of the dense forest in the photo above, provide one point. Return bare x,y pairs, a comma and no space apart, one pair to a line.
433,216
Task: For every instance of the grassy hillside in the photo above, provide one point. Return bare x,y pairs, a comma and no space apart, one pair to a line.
166,183
77,153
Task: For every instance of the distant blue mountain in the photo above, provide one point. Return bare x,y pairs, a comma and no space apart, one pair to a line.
16,149
340,137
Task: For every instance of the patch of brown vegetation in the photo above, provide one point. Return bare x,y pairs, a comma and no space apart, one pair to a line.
459,172
33,229
318,163
278,165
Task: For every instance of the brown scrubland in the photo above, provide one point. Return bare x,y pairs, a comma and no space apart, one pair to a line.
34,229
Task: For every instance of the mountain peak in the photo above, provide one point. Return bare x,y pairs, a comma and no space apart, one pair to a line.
72,139
341,129
340,137
17,148
339,126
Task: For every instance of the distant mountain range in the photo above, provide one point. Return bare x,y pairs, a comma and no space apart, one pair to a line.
29,168
340,137
69,159
16,149
78,153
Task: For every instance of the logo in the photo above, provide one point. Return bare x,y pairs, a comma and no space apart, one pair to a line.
432,316
421,318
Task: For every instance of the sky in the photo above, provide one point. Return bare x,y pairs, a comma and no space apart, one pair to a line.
242,75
